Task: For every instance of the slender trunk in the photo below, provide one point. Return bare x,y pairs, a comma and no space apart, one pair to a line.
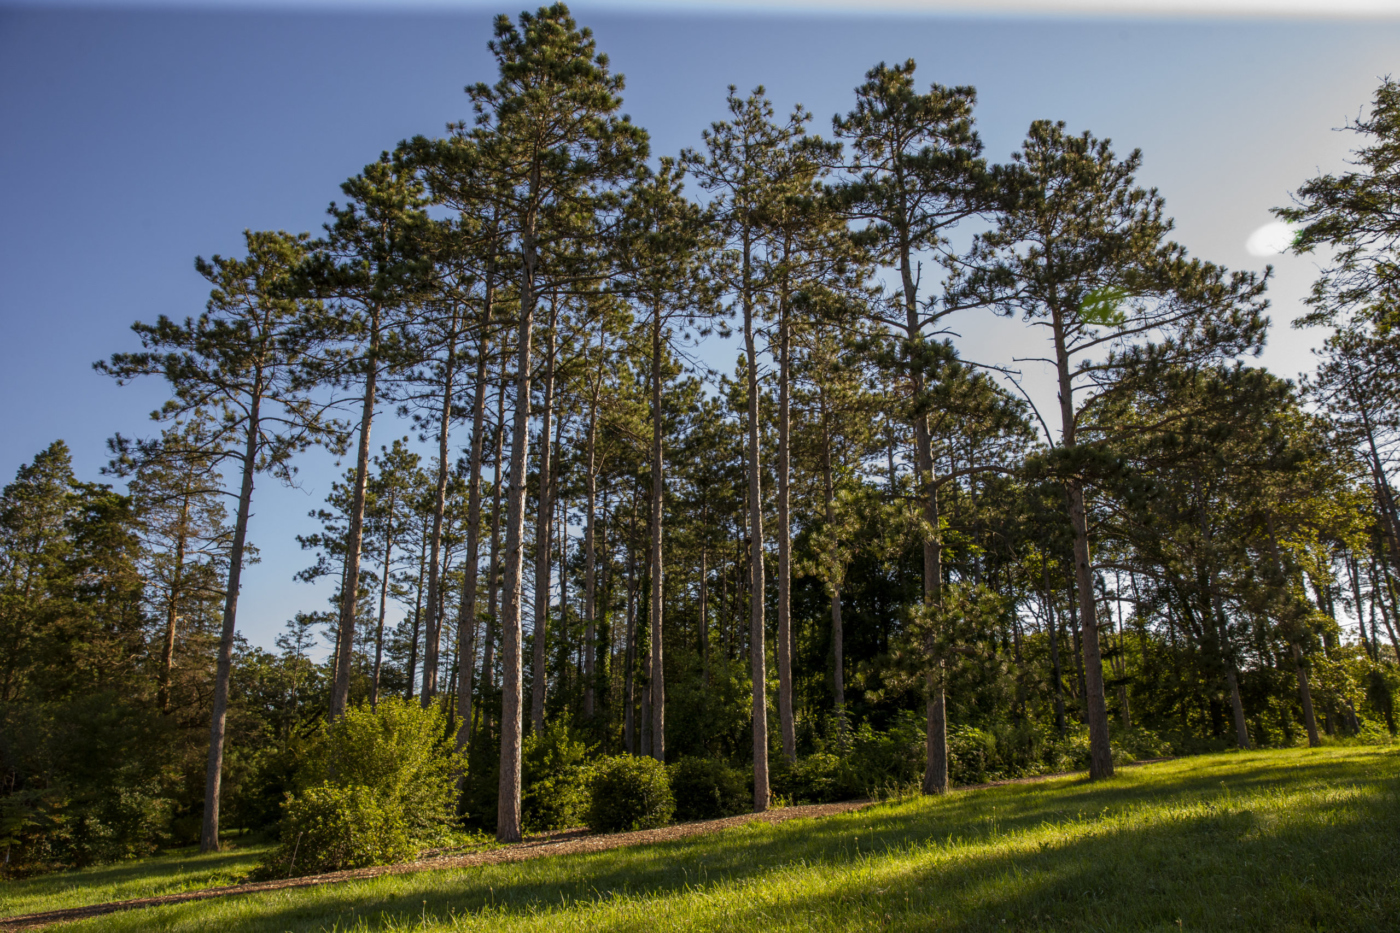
354,535
466,614
1053,620
172,607
508,827
543,525
757,656
704,617
383,604
1299,668
783,468
838,673
1371,644
1387,605
433,634
657,674
417,617
1095,706
493,586
629,733
1232,678
590,634
209,832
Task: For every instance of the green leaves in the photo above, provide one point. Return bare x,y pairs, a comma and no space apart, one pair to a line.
1103,307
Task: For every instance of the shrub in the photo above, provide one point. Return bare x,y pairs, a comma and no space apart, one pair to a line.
629,793
972,755
876,761
554,780
818,778
378,787
332,827
706,789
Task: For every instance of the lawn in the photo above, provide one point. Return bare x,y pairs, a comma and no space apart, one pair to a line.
1279,840
168,873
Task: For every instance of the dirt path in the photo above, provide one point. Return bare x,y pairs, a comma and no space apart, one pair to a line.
566,843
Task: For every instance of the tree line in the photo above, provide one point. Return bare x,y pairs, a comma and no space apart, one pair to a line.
855,528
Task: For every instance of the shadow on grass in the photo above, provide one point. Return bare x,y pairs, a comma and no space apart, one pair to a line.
167,873
1195,844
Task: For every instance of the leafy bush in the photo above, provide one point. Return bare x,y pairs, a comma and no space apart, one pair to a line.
554,780
972,753
378,787
629,793
332,827
706,789
818,778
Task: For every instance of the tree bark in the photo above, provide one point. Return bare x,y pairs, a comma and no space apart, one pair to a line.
1095,706
657,673
629,725
354,535
417,617
466,614
209,831
543,526
383,604
172,607
783,468
757,657
590,633
508,828
838,672
433,633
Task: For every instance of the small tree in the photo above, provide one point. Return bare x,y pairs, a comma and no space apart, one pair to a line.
243,364
377,787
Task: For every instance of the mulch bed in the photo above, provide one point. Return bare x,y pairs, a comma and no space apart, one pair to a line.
563,843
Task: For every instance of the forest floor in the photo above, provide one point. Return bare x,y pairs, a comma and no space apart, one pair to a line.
1293,839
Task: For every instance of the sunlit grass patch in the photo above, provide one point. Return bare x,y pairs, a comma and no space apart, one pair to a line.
1291,840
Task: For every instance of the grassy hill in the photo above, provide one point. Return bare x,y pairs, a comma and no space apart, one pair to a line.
1278,840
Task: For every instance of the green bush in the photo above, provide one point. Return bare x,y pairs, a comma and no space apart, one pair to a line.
629,793
819,778
378,787
554,780
706,789
331,827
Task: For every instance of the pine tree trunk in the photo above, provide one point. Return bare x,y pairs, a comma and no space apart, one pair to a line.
508,828
657,670
433,633
543,525
383,605
209,832
1095,705
783,468
757,657
838,666
629,726
172,608
354,535
466,614
590,633
493,585
417,618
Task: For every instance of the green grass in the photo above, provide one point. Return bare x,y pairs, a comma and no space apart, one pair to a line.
1280,840
169,873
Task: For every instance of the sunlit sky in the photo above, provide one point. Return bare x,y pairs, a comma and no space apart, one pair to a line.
134,139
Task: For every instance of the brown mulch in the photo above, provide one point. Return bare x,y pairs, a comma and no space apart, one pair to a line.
570,842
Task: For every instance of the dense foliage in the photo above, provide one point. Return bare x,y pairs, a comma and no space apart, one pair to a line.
378,785
629,793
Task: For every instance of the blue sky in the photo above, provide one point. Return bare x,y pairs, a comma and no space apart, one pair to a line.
132,140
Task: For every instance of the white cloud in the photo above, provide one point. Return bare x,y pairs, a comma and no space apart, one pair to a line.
1270,239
